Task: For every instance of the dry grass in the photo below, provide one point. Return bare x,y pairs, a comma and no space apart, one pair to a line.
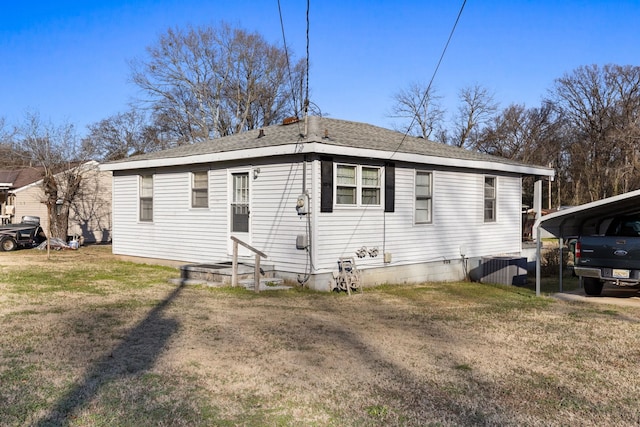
89,340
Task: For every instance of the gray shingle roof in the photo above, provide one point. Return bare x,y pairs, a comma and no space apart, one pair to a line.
21,177
327,131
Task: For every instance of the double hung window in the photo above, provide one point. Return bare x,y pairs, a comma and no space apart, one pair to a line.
370,186
346,185
146,198
358,185
424,197
489,199
200,189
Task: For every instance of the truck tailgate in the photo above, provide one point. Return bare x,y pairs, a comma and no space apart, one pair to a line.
609,251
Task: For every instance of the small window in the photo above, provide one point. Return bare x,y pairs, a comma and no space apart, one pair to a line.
358,185
146,198
370,186
346,183
489,199
200,189
424,193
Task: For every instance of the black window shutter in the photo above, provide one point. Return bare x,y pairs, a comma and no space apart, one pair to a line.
389,187
326,186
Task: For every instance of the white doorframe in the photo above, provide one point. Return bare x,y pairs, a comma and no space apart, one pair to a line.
239,209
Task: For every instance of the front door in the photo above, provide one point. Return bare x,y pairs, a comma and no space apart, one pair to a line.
239,211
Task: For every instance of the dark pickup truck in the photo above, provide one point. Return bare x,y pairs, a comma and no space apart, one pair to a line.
610,258
27,234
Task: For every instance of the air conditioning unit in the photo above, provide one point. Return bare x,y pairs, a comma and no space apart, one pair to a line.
504,270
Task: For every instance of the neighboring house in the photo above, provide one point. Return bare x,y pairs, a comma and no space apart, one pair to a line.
90,214
10,179
310,192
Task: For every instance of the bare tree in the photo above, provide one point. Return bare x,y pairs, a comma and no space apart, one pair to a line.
602,106
531,135
534,135
205,83
419,109
10,154
5,134
57,151
123,135
476,109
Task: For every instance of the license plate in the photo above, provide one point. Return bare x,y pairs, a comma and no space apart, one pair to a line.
620,273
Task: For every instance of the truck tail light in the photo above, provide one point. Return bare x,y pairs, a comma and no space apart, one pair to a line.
578,250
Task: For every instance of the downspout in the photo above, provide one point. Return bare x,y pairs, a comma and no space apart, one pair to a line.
309,228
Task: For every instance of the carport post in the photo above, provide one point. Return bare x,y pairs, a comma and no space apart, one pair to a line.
538,257
560,245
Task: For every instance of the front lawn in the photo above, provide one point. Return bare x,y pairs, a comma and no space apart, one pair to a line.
87,339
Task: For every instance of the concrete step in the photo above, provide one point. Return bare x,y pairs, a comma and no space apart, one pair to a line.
266,284
270,284
196,282
222,272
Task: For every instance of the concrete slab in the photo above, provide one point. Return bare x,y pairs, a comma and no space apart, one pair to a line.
614,295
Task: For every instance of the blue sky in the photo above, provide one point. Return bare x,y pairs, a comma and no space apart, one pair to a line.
67,60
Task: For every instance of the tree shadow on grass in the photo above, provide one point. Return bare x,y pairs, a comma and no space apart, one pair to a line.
135,354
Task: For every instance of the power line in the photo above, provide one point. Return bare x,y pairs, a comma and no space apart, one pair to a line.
306,101
424,97
286,52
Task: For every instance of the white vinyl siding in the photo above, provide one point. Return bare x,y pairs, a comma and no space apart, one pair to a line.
177,232
200,189
275,222
181,233
456,217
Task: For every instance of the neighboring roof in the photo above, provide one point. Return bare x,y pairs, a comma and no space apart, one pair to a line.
36,178
325,136
16,178
569,222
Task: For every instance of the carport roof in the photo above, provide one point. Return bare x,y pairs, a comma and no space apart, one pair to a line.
569,222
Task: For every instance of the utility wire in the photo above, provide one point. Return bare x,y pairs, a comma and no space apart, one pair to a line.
286,52
424,97
305,108
306,101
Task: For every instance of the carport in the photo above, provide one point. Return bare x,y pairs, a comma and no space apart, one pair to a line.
583,219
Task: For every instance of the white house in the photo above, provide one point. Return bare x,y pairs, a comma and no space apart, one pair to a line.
312,191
